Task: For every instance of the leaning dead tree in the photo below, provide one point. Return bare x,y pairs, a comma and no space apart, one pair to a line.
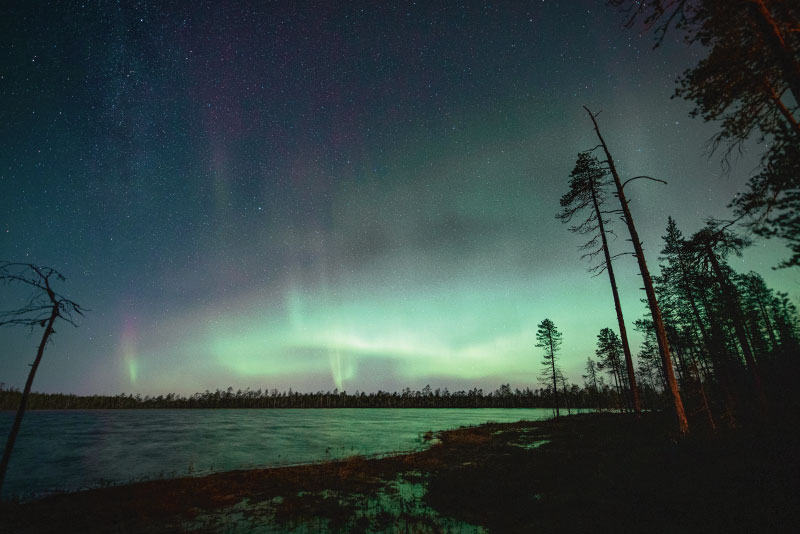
41,310
652,301
587,193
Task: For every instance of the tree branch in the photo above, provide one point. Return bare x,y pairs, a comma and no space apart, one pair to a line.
637,177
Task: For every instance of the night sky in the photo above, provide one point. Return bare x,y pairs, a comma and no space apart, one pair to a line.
311,196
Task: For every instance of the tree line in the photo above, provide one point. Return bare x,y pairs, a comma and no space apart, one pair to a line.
572,396
735,341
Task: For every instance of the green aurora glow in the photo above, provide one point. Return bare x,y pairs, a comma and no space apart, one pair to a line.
363,209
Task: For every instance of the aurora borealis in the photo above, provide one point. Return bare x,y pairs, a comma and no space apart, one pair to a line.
316,196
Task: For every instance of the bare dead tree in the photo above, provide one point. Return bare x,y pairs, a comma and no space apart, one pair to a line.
652,301
587,193
41,310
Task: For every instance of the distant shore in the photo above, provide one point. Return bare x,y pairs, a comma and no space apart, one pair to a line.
597,472
427,397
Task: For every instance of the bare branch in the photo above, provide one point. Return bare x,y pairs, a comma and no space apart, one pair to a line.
43,301
637,177
41,309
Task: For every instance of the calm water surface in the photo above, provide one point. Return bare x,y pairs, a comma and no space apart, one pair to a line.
69,450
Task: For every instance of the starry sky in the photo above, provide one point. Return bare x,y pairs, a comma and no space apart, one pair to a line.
332,194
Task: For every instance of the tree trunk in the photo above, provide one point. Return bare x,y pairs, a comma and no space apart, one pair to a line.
623,334
596,391
767,323
728,294
661,335
677,349
566,395
620,396
777,44
722,356
652,379
776,98
687,288
704,399
703,355
12,436
555,384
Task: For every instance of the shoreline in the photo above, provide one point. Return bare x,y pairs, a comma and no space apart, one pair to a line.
121,447
580,472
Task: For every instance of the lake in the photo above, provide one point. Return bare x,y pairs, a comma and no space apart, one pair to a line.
66,450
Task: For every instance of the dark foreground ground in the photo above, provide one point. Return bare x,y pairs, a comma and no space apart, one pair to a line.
594,472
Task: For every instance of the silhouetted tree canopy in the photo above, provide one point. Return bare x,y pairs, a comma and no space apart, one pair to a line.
750,84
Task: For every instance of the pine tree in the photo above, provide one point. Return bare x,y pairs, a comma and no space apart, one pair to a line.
590,379
609,351
711,245
588,183
549,338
